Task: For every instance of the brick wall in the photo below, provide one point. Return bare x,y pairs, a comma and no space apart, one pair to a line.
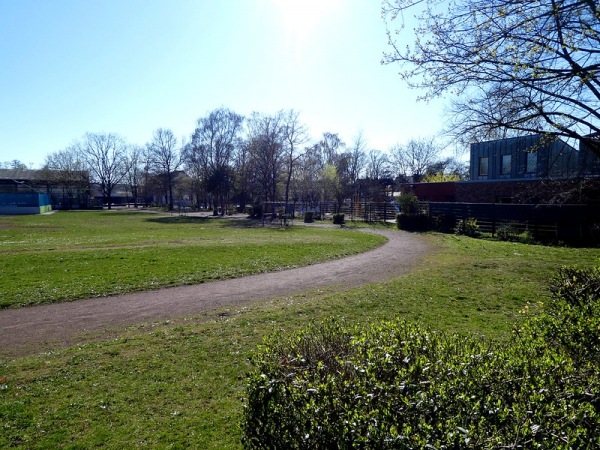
513,191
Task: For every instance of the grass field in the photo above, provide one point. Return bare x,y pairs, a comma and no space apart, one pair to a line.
181,384
73,255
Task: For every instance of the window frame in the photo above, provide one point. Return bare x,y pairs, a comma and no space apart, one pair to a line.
531,160
506,164
484,162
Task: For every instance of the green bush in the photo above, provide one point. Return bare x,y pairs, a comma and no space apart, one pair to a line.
467,227
256,211
408,203
418,222
444,223
338,219
507,233
510,233
410,217
571,316
399,385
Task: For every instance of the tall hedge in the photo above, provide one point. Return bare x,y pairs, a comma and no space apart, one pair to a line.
400,385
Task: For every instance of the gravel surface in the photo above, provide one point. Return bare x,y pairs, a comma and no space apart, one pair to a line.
41,328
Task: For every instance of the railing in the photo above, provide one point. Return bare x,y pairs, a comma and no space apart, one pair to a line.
353,210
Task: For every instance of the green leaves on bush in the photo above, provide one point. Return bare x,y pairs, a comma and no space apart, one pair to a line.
467,227
338,219
399,385
510,233
419,222
571,318
410,217
408,203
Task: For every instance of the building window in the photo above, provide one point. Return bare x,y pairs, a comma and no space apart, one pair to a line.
506,163
531,162
483,166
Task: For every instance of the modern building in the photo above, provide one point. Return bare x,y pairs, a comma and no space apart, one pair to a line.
529,169
524,157
589,162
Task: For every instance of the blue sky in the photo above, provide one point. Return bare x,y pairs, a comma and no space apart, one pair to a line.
68,67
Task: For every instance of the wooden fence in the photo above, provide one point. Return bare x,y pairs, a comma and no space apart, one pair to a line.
547,222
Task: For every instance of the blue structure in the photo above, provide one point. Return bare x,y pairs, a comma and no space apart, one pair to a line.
25,203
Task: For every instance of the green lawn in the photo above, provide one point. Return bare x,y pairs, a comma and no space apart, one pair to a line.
181,384
73,255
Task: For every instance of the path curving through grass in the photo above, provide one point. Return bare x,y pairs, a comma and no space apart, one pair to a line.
34,329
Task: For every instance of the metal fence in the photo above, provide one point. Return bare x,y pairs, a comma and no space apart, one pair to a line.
360,210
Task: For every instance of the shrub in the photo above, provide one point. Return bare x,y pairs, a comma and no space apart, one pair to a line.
571,316
408,203
406,222
444,223
338,219
399,385
510,233
308,217
410,217
526,237
256,211
507,233
467,227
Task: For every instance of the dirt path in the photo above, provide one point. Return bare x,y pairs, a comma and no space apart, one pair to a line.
34,329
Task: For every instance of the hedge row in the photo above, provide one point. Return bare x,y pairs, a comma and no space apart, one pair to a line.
400,385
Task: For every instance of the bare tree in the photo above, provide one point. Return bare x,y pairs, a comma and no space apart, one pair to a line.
516,67
266,153
67,170
327,150
357,158
294,136
104,155
165,159
195,167
414,158
135,173
241,166
377,165
308,174
330,146
15,164
212,152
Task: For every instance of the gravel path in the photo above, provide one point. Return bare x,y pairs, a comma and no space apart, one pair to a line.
40,328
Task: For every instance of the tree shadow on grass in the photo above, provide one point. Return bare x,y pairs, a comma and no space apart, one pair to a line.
179,219
214,220
218,221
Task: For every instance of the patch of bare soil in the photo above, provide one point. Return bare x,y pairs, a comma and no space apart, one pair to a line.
41,328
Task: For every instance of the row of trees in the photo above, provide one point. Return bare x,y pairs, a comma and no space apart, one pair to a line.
511,68
251,160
